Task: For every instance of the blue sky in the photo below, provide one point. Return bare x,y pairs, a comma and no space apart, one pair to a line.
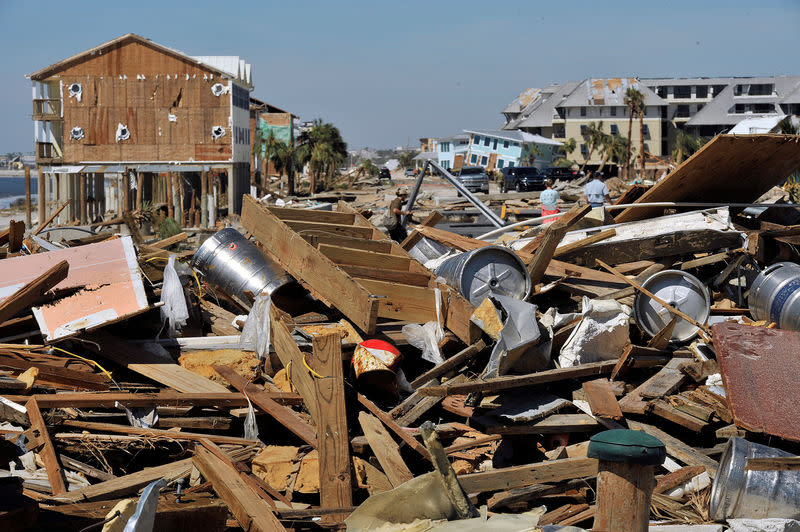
387,73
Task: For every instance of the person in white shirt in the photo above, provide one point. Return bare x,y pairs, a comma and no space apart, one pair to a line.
596,191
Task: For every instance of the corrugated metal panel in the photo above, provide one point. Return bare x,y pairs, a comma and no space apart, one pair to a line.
760,369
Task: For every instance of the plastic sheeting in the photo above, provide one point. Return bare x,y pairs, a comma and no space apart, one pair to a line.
174,310
602,334
256,330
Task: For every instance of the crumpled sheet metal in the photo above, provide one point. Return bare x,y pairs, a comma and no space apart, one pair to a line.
759,370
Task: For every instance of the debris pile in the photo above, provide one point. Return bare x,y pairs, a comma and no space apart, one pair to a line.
300,370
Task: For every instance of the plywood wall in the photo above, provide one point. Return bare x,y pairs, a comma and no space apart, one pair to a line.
140,88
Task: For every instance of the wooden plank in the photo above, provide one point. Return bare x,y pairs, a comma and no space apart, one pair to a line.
708,259
544,252
52,465
16,233
369,259
138,431
259,397
166,242
107,400
425,404
402,302
307,264
385,449
411,240
525,475
334,443
592,239
775,463
669,412
378,246
246,506
601,399
391,276
58,375
676,448
451,364
292,359
676,478
394,427
28,295
554,424
441,464
323,228
129,484
568,219
151,366
522,381
313,215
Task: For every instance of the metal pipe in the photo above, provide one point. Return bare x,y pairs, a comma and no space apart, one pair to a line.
486,211
413,197
637,205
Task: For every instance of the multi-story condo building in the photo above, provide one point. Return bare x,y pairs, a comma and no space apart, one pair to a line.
700,106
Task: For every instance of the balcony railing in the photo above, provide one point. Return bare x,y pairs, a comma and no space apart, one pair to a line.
46,109
46,153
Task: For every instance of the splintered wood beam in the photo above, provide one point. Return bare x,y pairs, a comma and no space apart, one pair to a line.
306,263
525,475
52,217
496,384
385,449
441,464
543,253
676,448
394,427
16,233
282,414
334,443
591,239
28,295
156,433
52,465
568,219
451,364
411,240
244,503
370,259
293,360
166,242
169,398
601,399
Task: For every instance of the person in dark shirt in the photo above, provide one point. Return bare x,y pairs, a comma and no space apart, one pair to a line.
396,229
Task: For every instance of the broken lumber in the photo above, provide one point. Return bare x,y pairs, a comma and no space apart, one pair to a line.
28,295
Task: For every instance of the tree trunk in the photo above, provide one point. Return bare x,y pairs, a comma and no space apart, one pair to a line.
641,135
628,147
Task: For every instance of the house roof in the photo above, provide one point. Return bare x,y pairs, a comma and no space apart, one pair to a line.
255,103
515,135
227,66
763,124
611,91
541,114
460,136
718,110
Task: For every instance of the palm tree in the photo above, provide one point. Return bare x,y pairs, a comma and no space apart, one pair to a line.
594,132
285,160
606,145
789,125
620,151
634,100
323,149
266,147
564,150
407,158
686,145
534,152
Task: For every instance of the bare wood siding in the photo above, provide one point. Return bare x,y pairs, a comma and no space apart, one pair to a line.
144,106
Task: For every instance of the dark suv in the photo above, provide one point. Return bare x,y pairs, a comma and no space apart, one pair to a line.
557,172
522,178
474,179
384,173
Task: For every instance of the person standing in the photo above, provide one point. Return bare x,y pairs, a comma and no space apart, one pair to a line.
596,191
397,232
549,199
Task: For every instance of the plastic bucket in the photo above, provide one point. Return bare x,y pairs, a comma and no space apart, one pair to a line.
775,296
491,270
679,289
738,493
232,264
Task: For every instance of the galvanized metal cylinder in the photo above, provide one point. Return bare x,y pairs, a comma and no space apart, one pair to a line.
683,291
740,493
775,295
427,249
232,264
487,271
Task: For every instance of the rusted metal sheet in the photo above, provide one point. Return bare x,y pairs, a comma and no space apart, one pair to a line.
105,276
759,369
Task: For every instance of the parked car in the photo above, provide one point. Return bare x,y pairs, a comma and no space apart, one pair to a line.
384,173
409,172
522,178
474,178
559,172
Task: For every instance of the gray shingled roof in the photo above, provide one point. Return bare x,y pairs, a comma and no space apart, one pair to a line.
584,94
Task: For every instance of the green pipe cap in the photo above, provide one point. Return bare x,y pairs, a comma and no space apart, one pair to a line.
630,446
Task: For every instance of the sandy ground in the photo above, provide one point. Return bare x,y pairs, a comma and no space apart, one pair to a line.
6,215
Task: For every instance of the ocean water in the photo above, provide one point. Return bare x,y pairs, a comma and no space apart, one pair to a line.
13,188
